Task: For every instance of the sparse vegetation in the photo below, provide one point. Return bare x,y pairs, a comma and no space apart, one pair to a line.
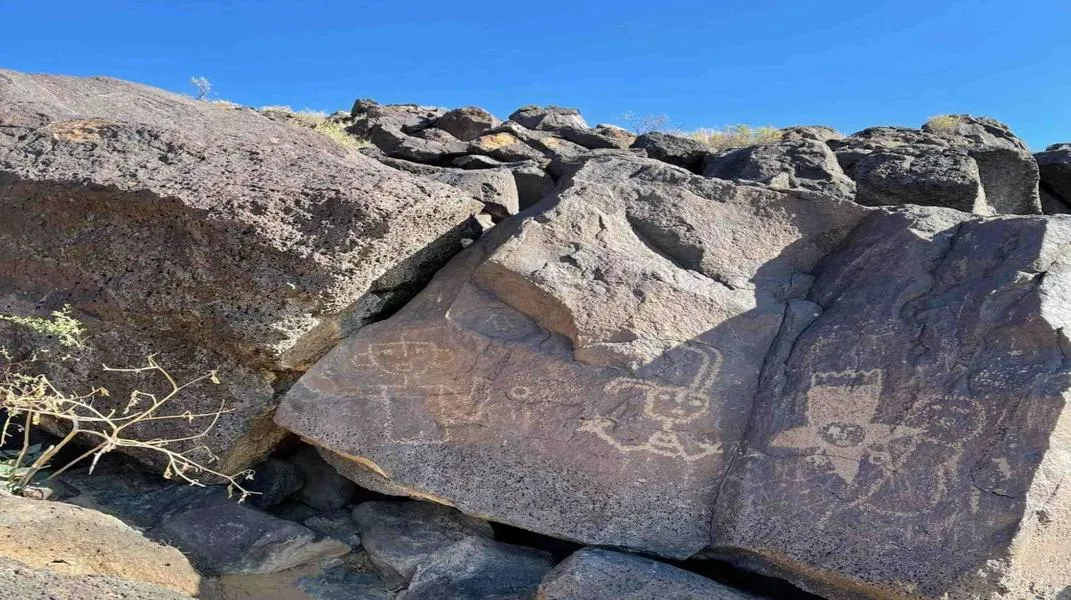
203,87
28,397
320,121
943,122
641,124
736,136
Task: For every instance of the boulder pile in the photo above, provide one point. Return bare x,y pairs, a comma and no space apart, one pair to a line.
836,360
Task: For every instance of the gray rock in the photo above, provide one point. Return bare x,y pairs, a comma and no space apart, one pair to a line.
817,133
337,524
947,178
476,161
598,574
645,298
1054,165
342,582
602,136
477,569
505,145
496,188
533,183
909,439
799,164
938,165
324,488
274,480
468,123
24,583
406,118
548,118
430,148
223,537
183,229
400,536
674,149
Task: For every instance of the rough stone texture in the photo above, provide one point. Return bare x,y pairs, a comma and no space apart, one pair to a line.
401,536
406,118
338,524
505,146
548,118
533,183
1054,165
976,165
468,123
18,581
325,488
602,136
218,534
274,481
496,187
597,574
584,372
72,540
210,235
478,569
913,441
674,149
800,164
817,133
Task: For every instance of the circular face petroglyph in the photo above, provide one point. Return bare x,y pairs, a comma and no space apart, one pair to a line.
842,435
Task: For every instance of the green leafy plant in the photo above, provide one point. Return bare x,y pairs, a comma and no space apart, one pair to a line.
29,397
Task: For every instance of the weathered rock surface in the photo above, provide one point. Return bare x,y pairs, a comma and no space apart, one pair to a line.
467,123
1054,165
803,164
211,235
597,574
477,569
219,535
912,440
975,165
401,536
273,482
587,369
548,118
25,583
674,149
495,187
71,540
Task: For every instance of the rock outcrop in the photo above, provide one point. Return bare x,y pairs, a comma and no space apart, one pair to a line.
211,236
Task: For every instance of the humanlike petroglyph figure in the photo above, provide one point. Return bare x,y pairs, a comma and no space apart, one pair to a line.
670,407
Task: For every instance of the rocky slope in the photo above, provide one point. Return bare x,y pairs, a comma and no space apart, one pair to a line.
837,360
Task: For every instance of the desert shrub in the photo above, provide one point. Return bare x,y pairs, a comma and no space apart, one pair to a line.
323,123
943,122
28,397
203,87
641,124
736,136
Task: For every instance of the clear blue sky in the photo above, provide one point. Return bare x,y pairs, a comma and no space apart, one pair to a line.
849,64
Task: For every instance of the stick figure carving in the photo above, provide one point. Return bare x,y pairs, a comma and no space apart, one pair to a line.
669,406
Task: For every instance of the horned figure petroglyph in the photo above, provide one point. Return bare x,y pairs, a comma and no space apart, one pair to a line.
670,406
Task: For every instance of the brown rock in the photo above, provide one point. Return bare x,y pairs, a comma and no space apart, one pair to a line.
212,236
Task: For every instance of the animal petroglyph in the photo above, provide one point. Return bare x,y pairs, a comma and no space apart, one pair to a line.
840,428
669,406
404,358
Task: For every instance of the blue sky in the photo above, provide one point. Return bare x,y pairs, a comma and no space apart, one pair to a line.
849,64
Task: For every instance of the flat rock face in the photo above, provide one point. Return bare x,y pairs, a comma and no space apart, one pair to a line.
75,541
25,583
912,441
584,372
598,574
212,235
476,569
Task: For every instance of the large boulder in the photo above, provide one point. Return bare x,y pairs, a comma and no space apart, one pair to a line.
584,372
468,123
27,583
495,187
914,440
209,235
72,540
973,164
478,569
598,574
548,118
796,164
674,149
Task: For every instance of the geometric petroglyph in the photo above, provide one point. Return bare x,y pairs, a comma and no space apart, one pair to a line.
403,358
670,407
840,427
